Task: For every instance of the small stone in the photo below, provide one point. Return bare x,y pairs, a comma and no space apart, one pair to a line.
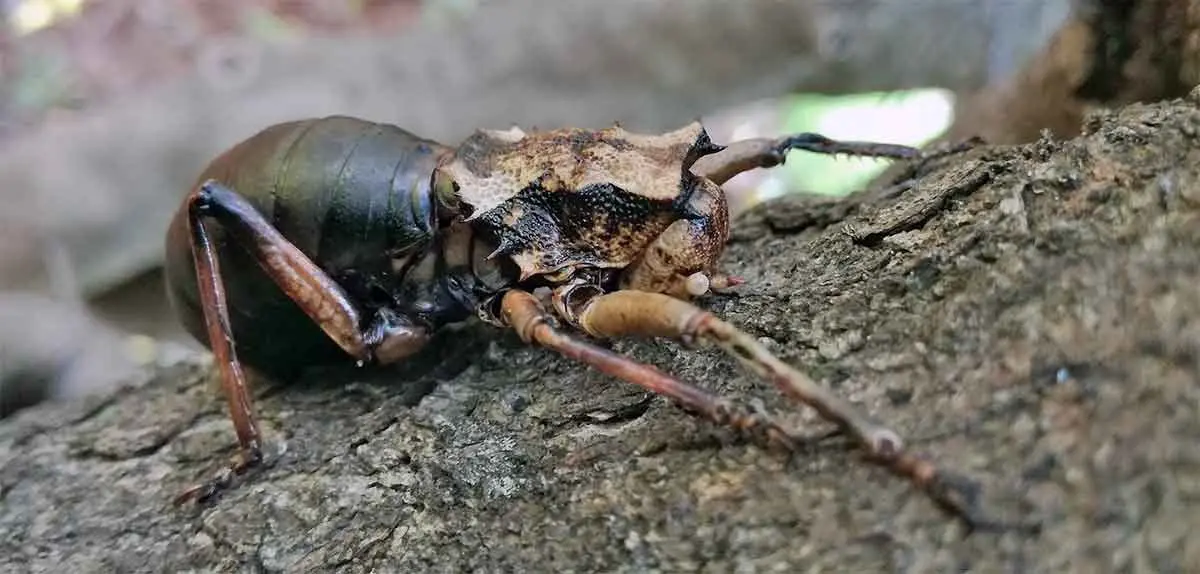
1024,427
841,345
202,540
515,402
1012,205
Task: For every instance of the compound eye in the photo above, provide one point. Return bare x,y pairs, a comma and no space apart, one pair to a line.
444,186
445,189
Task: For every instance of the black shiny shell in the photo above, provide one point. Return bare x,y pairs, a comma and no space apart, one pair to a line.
353,195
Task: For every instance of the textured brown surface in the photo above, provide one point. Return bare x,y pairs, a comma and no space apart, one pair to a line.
559,199
1028,314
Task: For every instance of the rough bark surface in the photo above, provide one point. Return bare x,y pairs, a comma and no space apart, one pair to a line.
1027,314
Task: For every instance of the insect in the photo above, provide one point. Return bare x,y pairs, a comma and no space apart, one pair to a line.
342,239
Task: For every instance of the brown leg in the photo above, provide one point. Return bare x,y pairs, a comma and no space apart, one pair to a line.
525,314
657,315
746,155
387,338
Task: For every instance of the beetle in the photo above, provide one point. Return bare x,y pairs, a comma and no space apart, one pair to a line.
341,239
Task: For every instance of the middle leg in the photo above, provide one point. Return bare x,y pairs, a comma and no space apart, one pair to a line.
386,337
524,313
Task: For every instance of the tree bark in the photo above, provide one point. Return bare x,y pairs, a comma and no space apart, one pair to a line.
1025,314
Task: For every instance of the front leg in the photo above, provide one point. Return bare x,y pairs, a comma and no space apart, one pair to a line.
385,338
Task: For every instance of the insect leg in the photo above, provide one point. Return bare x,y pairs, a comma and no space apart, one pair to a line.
387,337
745,155
647,314
321,298
522,312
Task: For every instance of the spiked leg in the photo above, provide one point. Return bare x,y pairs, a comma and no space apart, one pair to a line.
387,337
627,313
746,155
522,312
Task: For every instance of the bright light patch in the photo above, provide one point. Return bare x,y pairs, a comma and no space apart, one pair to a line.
908,118
912,119
33,15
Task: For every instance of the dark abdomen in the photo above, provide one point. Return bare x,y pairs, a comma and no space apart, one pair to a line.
350,194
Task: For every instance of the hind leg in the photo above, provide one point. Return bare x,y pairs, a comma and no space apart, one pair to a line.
386,337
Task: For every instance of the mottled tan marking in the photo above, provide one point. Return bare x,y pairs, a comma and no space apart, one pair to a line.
492,166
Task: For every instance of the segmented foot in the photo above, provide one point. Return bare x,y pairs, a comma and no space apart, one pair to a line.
245,461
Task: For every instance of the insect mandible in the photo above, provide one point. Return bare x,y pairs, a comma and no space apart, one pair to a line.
340,239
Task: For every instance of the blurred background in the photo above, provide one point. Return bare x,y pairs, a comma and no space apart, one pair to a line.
110,108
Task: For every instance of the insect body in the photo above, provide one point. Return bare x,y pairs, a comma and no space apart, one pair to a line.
349,194
341,239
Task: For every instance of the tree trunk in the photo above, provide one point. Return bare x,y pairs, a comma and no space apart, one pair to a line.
1028,315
